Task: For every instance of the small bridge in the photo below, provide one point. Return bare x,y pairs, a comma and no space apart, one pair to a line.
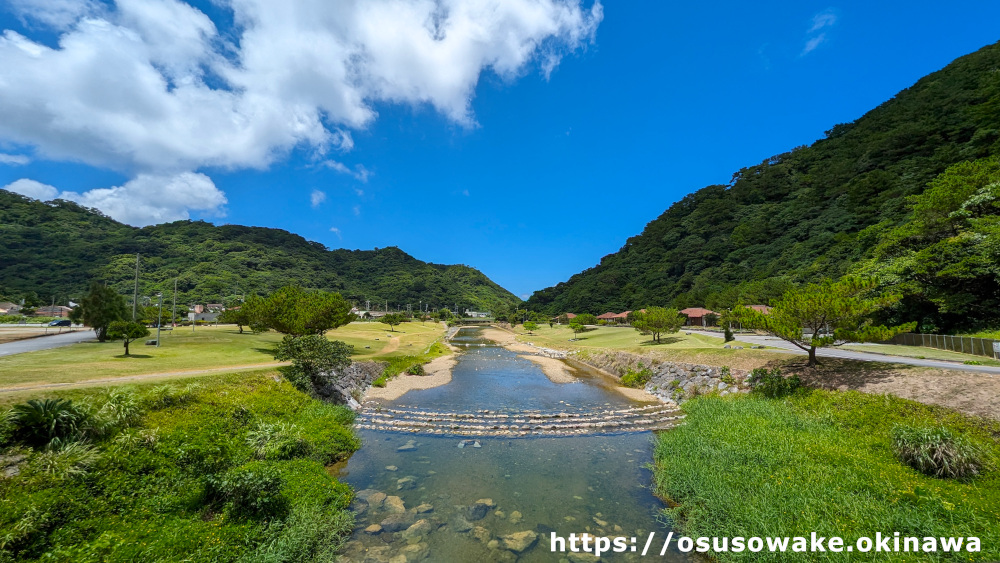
487,423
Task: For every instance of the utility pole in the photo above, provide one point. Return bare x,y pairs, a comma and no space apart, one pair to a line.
173,309
135,294
159,319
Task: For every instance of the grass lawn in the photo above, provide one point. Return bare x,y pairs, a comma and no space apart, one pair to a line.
231,469
919,352
693,348
201,349
821,461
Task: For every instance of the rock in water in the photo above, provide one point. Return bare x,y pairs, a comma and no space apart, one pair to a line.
425,508
376,499
409,446
406,483
394,504
477,511
460,524
519,541
397,522
419,528
515,517
373,529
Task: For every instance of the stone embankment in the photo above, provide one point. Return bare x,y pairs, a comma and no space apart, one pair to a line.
671,382
348,385
521,423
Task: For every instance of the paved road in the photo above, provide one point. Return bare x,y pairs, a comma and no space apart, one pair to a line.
788,347
46,342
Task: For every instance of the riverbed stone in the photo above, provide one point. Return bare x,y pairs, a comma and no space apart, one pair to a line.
406,483
460,524
519,541
397,522
419,528
425,508
488,502
373,529
477,511
482,534
409,446
515,517
391,468
400,558
582,557
394,504
377,499
415,552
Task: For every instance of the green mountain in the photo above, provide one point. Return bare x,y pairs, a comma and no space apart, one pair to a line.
806,214
56,248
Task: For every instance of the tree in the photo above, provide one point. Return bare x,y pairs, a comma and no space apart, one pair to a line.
576,327
586,319
391,319
127,332
99,308
444,314
834,313
657,320
313,357
247,313
530,326
292,310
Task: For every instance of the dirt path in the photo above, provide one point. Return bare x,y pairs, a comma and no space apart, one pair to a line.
392,346
140,377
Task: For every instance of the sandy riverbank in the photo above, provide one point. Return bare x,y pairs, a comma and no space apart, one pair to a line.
438,373
555,369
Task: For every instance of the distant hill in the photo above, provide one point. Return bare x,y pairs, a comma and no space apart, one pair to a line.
800,215
56,248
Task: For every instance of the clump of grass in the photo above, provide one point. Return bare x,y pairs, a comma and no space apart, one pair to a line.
637,378
972,363
937,451
416,369
772,384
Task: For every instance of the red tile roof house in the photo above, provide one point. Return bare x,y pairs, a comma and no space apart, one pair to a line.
615,318
762,308
607,317
696,315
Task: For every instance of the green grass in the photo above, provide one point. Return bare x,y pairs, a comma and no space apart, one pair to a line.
994,334
398,364
204,348
820,461
154,501
920,352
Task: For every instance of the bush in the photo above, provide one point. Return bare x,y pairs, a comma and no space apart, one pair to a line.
277,441
772,384
65,460
637,378
416,369
972,363
39,421
728,334
312,357
726,376
249,491
937,452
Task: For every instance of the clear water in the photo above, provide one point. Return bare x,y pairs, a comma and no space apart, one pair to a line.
589,484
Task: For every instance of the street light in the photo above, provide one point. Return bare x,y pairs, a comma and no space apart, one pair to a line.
159,319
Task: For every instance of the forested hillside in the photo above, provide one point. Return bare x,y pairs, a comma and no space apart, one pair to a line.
56,248
803,215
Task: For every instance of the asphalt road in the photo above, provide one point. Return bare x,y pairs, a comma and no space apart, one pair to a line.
46,342
788,347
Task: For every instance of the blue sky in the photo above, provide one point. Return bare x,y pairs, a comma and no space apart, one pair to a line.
479,153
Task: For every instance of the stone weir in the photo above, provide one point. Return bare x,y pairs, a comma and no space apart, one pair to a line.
488,423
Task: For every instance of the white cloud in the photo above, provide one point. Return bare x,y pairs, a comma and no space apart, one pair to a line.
152,85
816,35
336,231
154,89
356,210
317,197
359,172
150,199
32,189
14,159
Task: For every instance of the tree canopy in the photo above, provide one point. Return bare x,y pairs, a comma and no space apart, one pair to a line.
825,314
657,320
99,308
294,311
127,332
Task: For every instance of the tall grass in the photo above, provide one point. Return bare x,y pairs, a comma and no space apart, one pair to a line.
819,462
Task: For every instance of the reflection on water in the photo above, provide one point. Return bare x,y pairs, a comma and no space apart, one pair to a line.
424,491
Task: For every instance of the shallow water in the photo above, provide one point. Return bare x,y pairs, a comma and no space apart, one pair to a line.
596,484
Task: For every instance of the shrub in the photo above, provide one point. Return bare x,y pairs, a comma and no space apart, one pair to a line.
164,396
39,421
120,409
276,441
728,334
381,381
249,491
312,357
937,452
416,369
637,378
772,384
726,376
64,460
972,363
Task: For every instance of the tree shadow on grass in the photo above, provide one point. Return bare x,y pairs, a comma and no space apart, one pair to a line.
139,356
268,351
835,373
663,341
